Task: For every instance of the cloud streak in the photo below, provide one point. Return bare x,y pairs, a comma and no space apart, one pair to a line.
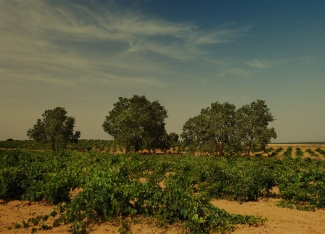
261,64
65,44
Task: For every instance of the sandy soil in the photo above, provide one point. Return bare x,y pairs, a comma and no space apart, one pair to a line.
17,211
280,220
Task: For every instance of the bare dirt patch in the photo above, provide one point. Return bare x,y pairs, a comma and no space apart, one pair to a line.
280,220
17,211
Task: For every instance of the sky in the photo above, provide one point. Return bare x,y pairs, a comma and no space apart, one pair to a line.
187,54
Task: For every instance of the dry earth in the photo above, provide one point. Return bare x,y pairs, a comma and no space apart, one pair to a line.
280,220
17,211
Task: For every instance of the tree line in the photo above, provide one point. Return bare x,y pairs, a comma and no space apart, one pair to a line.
137,124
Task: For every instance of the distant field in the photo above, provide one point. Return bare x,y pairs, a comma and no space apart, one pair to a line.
108,147
311,149
299,143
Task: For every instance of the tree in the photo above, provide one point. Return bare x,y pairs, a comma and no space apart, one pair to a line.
137,124
173,138
221,122
212,129
194,133
55,127
252,133
220,126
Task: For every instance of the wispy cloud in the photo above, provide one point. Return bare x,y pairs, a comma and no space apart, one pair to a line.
256,63
235,72
260,64
222,34
66,44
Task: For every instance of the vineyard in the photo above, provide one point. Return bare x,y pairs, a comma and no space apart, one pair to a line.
171,189
82,145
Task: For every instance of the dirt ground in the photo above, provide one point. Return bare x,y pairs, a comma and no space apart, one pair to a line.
279,220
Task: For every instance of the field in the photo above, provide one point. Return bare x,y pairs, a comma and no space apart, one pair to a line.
304,148
95,192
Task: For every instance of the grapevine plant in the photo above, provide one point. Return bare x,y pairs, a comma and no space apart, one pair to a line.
320,151
168,188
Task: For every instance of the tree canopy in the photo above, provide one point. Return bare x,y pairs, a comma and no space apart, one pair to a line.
252,133
55,127
221,125
212,129
173,138
137,124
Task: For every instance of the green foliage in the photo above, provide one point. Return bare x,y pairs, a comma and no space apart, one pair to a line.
277,152
191,149
138,124
295,205
320,151
242,180
91,145
173,138
311,153
82,145
302,182
35,176
299,152
212,129
169,188
55,127
288,152
252,122
25,144
221,128
125,229
269,150
110,188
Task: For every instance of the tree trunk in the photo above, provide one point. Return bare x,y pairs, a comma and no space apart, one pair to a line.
137,147
221,147
215,147
53,143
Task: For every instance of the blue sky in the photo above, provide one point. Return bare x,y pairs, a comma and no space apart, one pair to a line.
83,55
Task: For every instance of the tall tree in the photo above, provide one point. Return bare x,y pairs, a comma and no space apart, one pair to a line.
137,124
55,127
221,124
212,129
243,131
252,132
